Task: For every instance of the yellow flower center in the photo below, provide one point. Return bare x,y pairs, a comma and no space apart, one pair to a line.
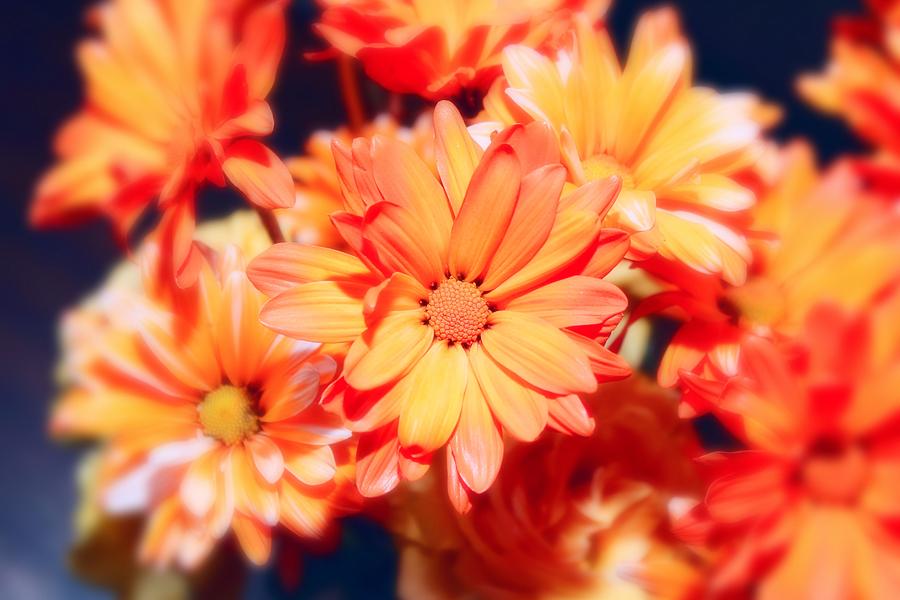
835,472
601,166
227,414
457,311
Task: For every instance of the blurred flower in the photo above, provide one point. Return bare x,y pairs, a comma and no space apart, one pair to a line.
439,50
474,303
568,517
316,182
861,84
810,510
210,422
175,95
675,147
818,238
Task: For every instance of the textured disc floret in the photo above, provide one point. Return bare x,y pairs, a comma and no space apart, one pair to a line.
457,311
227,414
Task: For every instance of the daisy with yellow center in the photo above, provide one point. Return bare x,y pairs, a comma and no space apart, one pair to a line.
675,147
474,304
210,421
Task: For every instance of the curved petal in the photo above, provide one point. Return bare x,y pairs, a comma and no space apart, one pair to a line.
537,352
485,214
395,344
521,410
456,154
259,174
572,301
313,465
405,180
477,444
400,244
322,311
530,224
286,265
569,414
431,410
377,462
254,538
266,457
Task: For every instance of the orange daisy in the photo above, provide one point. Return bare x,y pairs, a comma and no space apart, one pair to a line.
175,97
861,84
474,304
210,423
675,147
568,517
316,183
810,510
439,50
821,238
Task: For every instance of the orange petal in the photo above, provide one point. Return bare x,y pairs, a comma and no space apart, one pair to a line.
432,408
198,488
401,244
399,293
377,466
241,342
537,352
606,364
460,496
259,174
313,465
262,43
266,457
283,266
485,214
395,344
574,231
569,414
572,301
299,394
404,179
521,410
254,538
306,516
252,494
611,246
477,445
530,224
456,153
323,311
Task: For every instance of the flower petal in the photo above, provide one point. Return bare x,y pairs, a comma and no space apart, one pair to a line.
400,243
537,352
313,465
521,410
377,464
266,457
485,214
572,301
432,408
530,224
456,153
477,445
322,311
283,266
259,174
395,344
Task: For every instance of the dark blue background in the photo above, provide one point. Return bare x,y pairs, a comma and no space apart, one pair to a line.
758,44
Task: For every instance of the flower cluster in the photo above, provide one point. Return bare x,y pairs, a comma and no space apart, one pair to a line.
579,329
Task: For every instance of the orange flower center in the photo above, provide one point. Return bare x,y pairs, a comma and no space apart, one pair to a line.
457,311
601,166
227,415
835,472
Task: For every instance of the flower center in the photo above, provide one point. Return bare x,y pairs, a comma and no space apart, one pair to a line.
457,311
835,471
227,414
601,166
